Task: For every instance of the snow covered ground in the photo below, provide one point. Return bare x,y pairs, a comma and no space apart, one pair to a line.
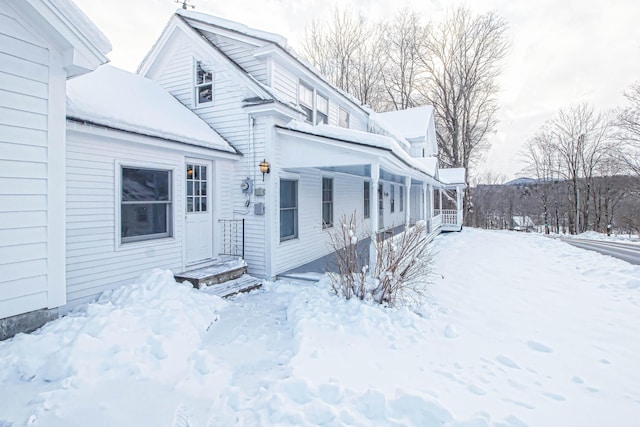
592,235
518,330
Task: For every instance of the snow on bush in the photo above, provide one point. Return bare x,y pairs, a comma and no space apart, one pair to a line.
402,269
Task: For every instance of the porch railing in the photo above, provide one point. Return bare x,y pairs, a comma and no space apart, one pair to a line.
436,221
449,216
232,237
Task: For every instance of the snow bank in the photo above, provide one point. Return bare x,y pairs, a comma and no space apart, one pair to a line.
518,330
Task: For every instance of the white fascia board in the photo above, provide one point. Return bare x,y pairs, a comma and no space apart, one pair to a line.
195,23
177,23
276,108
361,151
81,54
103,132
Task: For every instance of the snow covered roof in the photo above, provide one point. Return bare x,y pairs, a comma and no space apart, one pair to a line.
429,164
523,221
116,98
83,24
235,26
365,138
452,175
410,123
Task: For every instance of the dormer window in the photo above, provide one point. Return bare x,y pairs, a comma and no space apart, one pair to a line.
204,84
322,109
305,99
343,119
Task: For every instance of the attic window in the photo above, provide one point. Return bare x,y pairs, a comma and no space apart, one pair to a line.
204,84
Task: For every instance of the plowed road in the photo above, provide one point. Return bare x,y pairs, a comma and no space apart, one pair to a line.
624,251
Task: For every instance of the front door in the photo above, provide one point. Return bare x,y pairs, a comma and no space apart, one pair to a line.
380,205
199,217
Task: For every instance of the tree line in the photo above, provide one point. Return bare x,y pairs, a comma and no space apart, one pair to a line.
586,174
452,65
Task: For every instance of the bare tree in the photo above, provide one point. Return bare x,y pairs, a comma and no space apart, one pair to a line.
402,73
582,141
629,123
542,161
462,57
347,51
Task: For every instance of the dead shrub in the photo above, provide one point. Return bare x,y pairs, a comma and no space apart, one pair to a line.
403,264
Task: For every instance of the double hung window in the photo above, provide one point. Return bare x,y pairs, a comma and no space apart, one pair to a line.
327,202
146,204
305,98
322,109
288,209
367,199
204,84
343,118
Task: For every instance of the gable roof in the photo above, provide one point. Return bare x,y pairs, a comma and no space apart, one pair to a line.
121,100
410,123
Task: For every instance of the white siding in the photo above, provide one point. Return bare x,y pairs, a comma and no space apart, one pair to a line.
228,118
285,84
24,135
242,54
95,261
312,241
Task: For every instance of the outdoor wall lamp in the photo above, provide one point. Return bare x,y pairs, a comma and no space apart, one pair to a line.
264,168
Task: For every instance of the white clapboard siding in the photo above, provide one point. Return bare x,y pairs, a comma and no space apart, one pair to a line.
226,115
24,107
312,241
242,54
94,261
285,84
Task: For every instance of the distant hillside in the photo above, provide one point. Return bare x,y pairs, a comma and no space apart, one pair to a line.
521,181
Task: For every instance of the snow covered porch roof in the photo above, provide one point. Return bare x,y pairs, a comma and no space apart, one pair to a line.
453,177
349,151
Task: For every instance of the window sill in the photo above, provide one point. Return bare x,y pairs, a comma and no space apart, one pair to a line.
123,246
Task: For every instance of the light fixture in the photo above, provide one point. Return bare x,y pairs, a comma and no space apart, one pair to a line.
264,167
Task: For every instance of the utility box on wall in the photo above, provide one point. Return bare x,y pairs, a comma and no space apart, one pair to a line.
258,208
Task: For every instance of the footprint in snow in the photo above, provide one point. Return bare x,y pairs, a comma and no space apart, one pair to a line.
536,346
507,362
555,396
450,331
476,390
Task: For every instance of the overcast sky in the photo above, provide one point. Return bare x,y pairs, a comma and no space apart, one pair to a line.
562,51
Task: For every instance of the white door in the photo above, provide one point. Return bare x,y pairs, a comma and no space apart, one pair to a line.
199,208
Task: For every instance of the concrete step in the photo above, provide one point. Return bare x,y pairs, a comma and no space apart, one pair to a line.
217,272
244,283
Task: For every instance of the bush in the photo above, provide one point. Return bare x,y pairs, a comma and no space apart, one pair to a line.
403,264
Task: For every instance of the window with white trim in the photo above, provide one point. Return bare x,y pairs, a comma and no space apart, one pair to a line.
305,100
392,191
401,198
327,202
288,209
203,84
322,109
343,118
145,204
366,208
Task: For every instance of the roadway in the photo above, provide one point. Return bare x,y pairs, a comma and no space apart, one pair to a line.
624,251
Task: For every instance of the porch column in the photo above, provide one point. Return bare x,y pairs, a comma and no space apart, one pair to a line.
459,202
373,209
407,199
440,204
426,215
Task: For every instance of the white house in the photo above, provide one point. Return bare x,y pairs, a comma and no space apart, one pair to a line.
42,44
327,154
225,142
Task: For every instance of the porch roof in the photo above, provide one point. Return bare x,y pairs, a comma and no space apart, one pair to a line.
349,147
452,176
